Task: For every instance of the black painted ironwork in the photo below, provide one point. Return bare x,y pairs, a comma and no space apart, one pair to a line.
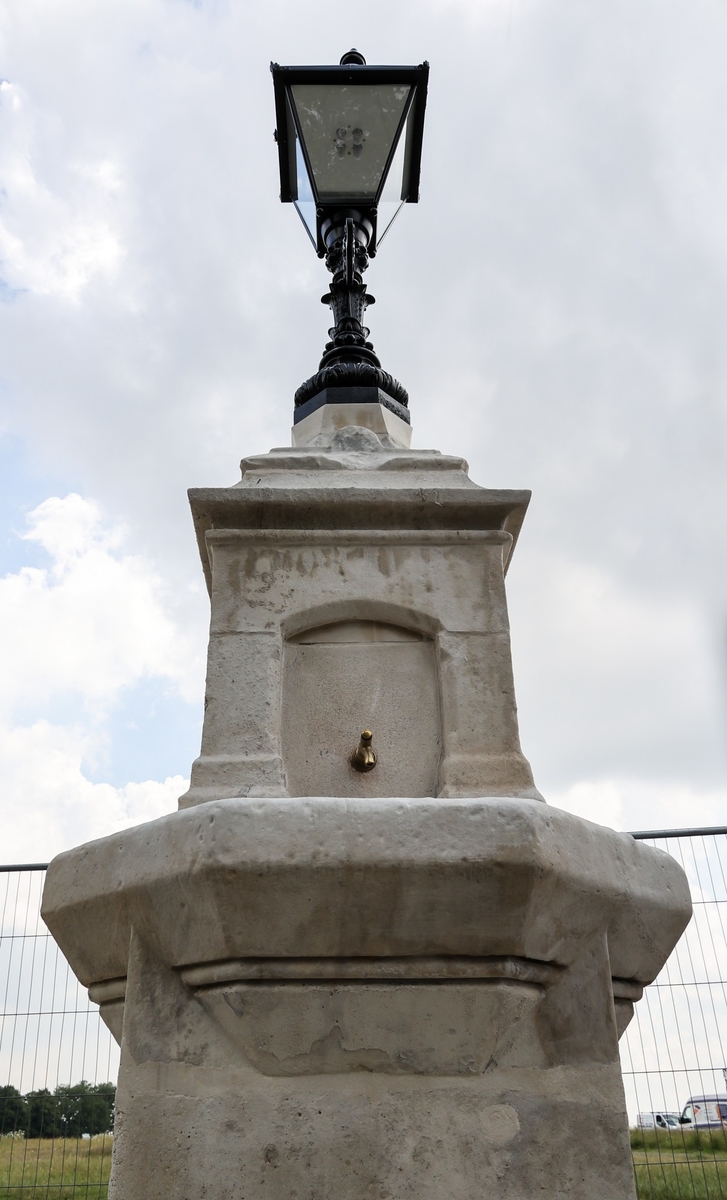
349,358
346,232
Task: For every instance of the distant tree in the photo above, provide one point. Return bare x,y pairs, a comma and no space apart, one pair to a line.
42,1121
70,1111
13,1111
85,1108
105,1107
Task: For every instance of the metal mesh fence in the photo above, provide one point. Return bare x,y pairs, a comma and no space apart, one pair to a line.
674,1052
58,1062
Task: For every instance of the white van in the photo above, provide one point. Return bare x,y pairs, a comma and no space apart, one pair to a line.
658,1120
704,1112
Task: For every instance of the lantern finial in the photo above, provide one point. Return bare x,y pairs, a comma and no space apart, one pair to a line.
354,58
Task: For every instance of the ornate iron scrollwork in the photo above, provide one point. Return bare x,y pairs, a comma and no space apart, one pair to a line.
349,358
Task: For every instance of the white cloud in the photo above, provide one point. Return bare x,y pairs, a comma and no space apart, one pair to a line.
93,622
614,680
50,805
73,636
493,15
639,804
55,239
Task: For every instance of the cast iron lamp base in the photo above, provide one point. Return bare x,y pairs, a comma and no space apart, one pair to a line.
351,394
349,359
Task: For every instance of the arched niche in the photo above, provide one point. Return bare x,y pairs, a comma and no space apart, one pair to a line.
341,678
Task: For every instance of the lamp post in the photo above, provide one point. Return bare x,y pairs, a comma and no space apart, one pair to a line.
349,143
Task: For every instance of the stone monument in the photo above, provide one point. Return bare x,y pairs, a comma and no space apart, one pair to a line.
364,960
408,981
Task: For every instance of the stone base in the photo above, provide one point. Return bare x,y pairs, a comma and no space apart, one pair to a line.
320,424
186,1134
364,998
351,395
358,587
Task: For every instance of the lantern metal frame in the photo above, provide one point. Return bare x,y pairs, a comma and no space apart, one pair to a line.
288,125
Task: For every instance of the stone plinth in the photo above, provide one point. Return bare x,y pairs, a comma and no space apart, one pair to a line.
316,424
368,997
358,585
323,990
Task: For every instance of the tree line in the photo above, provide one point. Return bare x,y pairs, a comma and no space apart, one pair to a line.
68,1112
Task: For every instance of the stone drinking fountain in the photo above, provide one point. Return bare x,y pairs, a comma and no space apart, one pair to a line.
364,960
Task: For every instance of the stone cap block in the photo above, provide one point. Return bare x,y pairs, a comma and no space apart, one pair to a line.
354,508
328,877
335,408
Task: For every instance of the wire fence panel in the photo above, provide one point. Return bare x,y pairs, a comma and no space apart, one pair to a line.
674,1052
58,1061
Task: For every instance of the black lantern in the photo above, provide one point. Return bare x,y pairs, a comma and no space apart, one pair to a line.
350,142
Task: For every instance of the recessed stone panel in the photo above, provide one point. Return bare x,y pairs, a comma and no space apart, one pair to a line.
341,679
441,1028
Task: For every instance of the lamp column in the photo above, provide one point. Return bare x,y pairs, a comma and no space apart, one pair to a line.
364,958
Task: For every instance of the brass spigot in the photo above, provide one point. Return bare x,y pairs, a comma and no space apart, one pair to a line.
364,756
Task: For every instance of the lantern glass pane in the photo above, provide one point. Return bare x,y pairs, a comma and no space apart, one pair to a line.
304,203
391,201
349,131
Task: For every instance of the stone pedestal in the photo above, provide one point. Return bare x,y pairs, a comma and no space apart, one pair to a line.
323,989
357,585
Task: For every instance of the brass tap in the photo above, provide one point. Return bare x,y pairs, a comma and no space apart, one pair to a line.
364,756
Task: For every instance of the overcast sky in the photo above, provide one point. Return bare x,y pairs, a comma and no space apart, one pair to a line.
555,305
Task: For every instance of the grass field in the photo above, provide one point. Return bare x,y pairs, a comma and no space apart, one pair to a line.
681,1178
680,1181
60,1169
679,1166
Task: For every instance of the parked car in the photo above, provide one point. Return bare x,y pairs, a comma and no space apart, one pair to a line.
704,1112
658,1120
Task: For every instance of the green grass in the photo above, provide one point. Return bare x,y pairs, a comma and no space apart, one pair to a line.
710,1143
680,1165
668,1166
55,1169
694,1179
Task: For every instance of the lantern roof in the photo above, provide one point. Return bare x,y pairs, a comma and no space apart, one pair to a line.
350,137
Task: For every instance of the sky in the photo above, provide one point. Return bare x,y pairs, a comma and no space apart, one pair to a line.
555,306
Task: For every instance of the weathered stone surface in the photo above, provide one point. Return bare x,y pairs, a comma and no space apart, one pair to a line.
370,877
418,979
354,531
392,1028
321,426
352,676
350,994
197,1119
